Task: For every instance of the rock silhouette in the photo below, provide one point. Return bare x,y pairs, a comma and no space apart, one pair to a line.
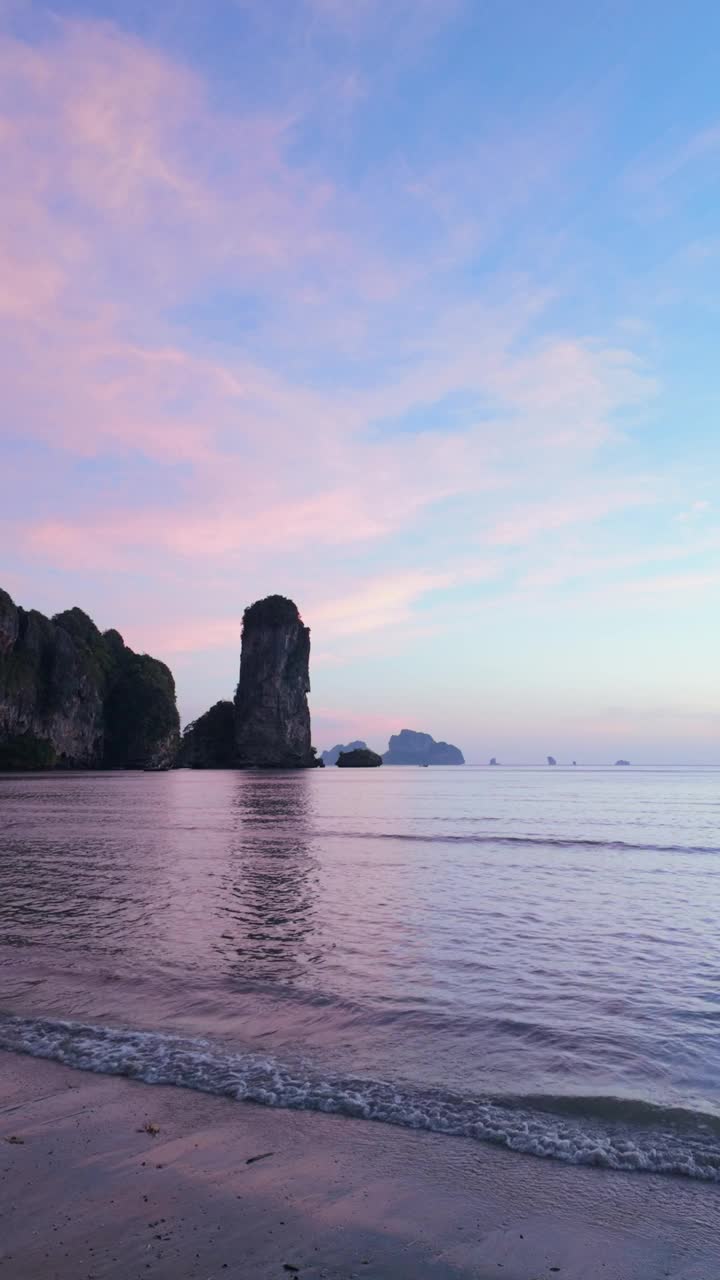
73,697
331,757
360,758
209,741
272,717
409,747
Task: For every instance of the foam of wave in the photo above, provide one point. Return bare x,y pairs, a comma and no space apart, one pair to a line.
607,1132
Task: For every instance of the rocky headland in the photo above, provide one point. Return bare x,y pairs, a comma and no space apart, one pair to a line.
76,698
409,747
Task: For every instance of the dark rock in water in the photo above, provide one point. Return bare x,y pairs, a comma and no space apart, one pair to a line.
331,756
209,742
625,762
551,760
360,758
272,717
493,761
71,697
409,747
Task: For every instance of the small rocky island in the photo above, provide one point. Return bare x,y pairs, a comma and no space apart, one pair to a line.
267,726
359,758
409,747
76,698
622,762
331,757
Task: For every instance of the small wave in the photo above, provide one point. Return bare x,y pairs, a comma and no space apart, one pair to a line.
608,1132
551,842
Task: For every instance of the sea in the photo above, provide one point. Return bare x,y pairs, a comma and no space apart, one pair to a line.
527,957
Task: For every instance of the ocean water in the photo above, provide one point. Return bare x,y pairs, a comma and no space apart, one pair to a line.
528,957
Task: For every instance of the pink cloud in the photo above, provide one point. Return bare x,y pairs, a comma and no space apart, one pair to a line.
127,192
159,191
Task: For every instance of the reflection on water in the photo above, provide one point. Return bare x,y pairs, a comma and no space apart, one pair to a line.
268,891
480,928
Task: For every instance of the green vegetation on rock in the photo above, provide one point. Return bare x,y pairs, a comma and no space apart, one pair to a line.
273,611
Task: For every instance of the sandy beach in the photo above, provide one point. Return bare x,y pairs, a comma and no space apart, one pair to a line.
86,1192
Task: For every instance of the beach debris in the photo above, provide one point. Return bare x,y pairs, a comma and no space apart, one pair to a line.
149,1127
288,1266
263,1156
15,1141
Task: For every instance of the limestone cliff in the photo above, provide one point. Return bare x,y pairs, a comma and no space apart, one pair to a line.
409,747
71,697
272,717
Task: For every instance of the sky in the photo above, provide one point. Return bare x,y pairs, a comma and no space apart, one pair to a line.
406,309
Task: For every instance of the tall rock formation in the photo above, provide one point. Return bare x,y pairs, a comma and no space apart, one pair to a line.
409,747
71,697
272,717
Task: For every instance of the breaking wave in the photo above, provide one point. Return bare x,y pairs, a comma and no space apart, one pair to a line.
612,1133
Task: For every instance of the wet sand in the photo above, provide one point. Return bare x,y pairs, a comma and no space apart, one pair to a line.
86,1193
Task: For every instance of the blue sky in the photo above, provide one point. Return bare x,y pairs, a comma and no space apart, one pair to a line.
408,310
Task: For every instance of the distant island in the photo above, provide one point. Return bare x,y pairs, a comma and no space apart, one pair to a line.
359,758
551,760
76,698
331,757
493,761
409,747
622,762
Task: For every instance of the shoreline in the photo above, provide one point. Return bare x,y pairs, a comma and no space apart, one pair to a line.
88,1194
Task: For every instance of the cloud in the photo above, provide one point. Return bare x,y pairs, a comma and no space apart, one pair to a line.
382,602
659,170
696,509
584,566
524,525
131,201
